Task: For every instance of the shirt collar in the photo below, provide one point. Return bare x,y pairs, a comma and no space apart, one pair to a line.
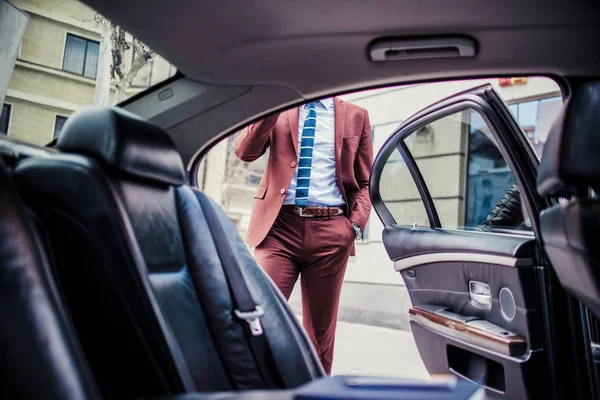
327,103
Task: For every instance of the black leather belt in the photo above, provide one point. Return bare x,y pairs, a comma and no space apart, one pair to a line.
317,211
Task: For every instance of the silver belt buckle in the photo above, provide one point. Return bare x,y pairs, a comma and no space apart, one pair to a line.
301,212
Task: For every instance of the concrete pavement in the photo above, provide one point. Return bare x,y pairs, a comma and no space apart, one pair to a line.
368,304
371,350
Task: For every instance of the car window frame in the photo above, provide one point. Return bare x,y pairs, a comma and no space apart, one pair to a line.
516,151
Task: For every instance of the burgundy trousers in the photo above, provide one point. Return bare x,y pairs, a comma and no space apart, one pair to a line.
317,250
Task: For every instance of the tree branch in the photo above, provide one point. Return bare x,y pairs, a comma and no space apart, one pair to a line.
121,73
97,18
142,56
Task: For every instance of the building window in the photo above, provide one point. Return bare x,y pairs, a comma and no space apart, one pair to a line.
58,125
5,118
81,56
488,174
536,117
241,173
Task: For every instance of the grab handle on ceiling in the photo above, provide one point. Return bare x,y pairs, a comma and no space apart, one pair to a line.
412,49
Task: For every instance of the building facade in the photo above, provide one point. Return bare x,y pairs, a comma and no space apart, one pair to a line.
56,69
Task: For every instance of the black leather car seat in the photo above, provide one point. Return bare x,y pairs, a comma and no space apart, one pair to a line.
40,356
140,270
570,167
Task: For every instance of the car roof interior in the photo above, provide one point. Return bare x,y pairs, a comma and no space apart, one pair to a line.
237,64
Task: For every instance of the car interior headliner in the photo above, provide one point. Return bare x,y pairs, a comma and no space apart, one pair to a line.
240,60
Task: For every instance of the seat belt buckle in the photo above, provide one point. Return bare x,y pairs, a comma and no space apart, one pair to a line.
253,319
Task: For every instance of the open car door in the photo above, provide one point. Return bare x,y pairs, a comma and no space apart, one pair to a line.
479,285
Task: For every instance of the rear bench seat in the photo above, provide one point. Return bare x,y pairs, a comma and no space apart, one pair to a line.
140,270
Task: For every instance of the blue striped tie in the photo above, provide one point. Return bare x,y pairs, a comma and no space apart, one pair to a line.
306,152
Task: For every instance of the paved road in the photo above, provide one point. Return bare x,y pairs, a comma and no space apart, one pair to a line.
371,350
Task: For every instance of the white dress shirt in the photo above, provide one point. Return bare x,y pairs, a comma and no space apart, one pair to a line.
323,190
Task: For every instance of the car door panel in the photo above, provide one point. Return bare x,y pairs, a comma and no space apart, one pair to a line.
476,296
437,279
504,376
424,288
437,266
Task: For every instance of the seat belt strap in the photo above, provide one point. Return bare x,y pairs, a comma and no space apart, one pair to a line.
246,308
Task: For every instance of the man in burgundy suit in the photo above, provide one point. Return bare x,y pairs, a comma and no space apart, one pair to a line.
311,204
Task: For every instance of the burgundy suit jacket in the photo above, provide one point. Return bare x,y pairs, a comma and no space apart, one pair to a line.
279,133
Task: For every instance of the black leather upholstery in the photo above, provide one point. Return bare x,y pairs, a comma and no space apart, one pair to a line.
570,166
123,142
40,357
570,160
508,213
402,242
142,275
99,266
570,233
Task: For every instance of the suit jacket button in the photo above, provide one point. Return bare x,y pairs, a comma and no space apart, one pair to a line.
293,164
282,191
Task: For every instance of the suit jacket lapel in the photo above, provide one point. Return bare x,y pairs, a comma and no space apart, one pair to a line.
293,118
340,124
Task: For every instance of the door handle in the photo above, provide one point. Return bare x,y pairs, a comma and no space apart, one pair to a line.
480,294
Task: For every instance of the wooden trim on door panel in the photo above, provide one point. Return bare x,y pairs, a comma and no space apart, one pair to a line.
466,330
